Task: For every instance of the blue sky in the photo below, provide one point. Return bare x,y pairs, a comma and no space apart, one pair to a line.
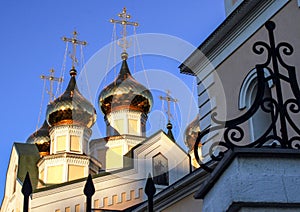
31,44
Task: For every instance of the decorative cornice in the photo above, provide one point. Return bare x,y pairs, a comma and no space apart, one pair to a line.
62,156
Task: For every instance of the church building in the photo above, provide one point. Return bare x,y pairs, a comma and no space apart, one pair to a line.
60,155
243,147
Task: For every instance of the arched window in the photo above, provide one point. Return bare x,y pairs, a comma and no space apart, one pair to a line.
261,120
160,169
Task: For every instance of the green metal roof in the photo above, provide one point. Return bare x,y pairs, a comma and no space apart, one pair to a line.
28,158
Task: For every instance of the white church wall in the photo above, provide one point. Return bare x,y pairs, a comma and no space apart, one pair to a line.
13,198
257,180
117,190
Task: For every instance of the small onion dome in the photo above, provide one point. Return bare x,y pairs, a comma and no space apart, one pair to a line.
191,133
41,138
125,92
71,107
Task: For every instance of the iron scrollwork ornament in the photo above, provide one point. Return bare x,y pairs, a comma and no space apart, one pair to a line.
282,129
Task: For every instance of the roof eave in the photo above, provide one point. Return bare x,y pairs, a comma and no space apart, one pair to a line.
218,35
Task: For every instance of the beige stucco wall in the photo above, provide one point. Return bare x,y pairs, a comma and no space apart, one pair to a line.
235,68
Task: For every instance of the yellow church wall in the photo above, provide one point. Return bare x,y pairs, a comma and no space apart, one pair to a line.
61,143
41,175
132,126
114,158
74,143
75,172
57,177
119,126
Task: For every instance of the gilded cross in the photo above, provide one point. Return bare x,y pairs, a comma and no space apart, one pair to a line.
74,42
51,78
124,21
169,99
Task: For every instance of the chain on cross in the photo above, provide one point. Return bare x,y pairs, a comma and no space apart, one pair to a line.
124,44
169,99
74,42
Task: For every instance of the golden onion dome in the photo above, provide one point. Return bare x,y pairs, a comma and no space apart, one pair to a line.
191,133
41,138
125,93
71,107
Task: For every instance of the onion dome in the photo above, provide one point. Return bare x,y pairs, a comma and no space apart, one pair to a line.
41,138
191,133
71,107
125,92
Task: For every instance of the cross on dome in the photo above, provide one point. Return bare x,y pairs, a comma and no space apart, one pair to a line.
168,99
74,42
51,79
123,43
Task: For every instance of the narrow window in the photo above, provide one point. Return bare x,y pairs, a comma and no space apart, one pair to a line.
160,170
261,120
77,208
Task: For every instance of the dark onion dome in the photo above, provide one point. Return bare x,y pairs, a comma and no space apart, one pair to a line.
125,93
191,133
71,107
41,138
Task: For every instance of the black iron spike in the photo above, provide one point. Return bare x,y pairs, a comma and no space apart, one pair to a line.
89,191
26,191
150,190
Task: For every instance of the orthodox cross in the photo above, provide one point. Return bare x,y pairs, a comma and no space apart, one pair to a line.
169,99
74,42
51,78
124,21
